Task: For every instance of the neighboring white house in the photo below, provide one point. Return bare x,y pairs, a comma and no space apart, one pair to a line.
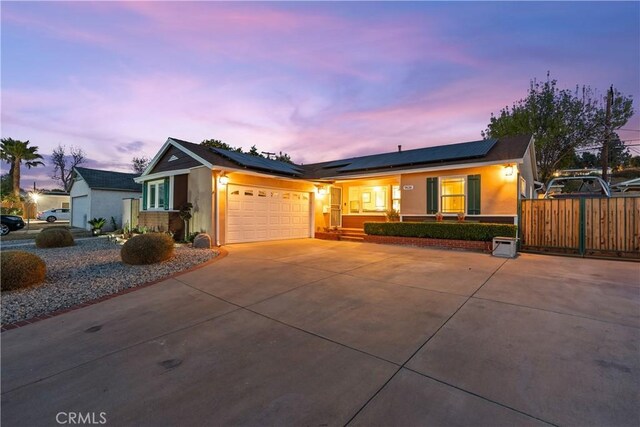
99,194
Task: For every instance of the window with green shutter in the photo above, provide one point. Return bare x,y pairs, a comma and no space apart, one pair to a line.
432,195
166,194
473,199
144,196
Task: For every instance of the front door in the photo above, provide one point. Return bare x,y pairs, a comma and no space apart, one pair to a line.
336,207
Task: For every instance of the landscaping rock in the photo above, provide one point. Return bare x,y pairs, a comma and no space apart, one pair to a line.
202,241
89,270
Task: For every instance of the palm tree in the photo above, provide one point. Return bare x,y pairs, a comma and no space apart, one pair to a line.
15,152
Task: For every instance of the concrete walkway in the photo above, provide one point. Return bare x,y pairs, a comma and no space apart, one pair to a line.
309,332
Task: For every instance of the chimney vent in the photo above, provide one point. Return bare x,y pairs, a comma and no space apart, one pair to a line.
399,148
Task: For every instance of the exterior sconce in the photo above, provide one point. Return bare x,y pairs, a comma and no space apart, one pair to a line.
321,190
508,171
223,180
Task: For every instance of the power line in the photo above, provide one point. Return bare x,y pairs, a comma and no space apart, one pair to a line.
630,130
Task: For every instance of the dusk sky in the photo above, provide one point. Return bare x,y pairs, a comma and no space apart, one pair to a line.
319,81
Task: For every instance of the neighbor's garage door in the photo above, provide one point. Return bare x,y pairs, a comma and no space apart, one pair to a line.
79,211
255,214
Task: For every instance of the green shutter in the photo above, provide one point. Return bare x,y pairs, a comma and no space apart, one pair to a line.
144,196
166,194
473,196
432,195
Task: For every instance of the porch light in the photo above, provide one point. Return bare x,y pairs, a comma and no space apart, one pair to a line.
322,190
508,170
223,180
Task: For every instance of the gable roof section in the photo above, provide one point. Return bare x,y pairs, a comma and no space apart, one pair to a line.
236,160
98,179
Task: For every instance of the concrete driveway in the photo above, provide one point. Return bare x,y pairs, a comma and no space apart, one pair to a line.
311,332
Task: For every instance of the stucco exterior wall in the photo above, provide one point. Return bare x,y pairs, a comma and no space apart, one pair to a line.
526,171
200,195
106,204
498,193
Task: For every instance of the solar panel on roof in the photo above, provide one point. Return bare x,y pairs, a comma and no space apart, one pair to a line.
337,163
259,162
465,150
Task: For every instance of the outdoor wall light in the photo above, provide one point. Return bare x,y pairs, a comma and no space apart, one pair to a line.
321,190
508,170
223,180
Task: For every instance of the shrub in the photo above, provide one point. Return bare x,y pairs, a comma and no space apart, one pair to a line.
54,238
11,211
20,269
147,248
441,230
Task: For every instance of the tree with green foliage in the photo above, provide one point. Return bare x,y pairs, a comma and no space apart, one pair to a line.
16,152
560,121
253,151
634,162
284,157
619,154
216,143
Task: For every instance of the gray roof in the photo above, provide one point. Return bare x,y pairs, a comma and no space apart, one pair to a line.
107,180
488,150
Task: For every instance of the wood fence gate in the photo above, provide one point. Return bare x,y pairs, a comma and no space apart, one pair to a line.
584,226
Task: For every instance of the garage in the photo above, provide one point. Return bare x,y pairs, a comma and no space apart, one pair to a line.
79,209
257,213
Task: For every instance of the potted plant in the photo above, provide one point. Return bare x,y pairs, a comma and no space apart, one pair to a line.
460,216
439,217
96,225
392,215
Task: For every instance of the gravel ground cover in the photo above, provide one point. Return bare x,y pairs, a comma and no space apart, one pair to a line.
89,270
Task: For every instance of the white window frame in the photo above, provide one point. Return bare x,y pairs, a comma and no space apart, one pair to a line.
155,183
465,194
388,199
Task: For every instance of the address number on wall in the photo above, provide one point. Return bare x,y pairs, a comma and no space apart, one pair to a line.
407,187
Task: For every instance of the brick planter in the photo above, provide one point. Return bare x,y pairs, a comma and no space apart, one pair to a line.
327,236
469,245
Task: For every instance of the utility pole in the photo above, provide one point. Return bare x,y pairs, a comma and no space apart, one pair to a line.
607,136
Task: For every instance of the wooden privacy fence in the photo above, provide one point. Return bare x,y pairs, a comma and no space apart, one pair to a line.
584,226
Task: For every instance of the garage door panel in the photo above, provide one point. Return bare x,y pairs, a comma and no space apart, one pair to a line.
266,214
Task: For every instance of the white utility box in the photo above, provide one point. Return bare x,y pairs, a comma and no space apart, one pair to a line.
504,247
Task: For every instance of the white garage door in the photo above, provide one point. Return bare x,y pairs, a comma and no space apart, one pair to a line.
79,211
255,214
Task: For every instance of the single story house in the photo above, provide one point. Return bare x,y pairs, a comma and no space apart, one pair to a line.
99,194
242,198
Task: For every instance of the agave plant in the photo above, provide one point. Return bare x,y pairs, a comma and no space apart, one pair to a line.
97,223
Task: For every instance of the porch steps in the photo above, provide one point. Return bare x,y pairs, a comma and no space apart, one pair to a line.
352,234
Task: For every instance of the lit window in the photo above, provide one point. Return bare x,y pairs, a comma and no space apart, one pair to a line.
395,197
452,195
368,199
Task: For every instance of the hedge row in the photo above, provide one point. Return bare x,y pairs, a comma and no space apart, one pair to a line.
441,230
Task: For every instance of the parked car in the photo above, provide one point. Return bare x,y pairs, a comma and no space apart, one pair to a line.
52,215
577,186
11,223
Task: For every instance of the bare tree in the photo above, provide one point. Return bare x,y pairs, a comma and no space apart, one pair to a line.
139,164
64,164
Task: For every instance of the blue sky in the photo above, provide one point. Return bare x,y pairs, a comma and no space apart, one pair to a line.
317,80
